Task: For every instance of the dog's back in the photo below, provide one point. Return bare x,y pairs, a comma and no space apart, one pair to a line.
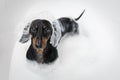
68,25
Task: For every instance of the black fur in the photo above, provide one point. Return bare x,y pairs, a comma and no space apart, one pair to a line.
31,53
50,53
69,25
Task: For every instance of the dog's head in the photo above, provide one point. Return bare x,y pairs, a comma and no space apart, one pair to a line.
41,31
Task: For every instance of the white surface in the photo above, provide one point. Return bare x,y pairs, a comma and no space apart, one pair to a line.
94,55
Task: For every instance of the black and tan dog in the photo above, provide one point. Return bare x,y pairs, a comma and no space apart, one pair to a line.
45,37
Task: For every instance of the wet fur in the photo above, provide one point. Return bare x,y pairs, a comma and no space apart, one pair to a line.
50,53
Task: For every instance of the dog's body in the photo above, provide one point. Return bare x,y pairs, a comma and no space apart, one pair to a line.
46,36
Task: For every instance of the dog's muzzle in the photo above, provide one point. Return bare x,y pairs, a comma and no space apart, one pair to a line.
38,43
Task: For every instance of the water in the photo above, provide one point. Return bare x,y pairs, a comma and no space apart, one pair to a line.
91,55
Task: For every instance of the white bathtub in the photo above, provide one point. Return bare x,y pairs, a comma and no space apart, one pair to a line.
94,54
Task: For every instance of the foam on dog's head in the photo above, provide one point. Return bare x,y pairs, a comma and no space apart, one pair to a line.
27,22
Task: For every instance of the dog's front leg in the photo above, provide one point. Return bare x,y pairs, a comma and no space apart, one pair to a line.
30,53
50,55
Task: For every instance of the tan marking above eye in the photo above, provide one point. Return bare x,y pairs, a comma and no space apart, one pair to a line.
44,27
36,26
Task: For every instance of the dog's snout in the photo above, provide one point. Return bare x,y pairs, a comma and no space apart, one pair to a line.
38,43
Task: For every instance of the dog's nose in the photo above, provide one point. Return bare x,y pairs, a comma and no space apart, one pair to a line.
38,44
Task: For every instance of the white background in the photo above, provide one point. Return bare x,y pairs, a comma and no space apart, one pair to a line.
94,55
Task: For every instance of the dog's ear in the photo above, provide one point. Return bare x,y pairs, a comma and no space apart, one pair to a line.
56,34
26,35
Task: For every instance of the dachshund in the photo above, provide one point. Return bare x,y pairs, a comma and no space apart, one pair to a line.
46,35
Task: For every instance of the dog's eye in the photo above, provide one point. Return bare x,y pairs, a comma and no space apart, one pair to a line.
47,30
33,30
